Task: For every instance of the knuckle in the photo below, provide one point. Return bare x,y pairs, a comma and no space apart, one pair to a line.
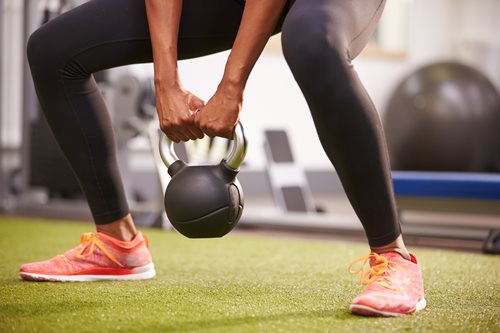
164,127
220,130
210,133
175,123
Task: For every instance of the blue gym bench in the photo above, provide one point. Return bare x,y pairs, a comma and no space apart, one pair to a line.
466,203
477,186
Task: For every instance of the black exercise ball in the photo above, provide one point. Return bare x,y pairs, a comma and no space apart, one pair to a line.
444,117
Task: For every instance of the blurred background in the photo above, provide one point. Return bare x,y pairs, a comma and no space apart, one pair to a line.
432,69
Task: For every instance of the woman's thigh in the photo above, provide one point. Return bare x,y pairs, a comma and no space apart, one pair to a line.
101,34
344,23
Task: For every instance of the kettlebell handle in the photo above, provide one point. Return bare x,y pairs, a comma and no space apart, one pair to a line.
234,158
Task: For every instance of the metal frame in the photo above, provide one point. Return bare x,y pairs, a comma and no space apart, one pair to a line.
3,187
30,102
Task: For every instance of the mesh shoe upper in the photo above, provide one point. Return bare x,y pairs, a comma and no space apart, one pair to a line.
394,284
97,253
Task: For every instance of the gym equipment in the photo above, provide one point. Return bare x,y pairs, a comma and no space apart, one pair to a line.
204,201
478,186
464,205
288,181
280,197
444,117
3,194
42,184
492,243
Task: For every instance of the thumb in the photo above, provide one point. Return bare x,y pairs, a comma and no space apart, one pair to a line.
195,103
196,117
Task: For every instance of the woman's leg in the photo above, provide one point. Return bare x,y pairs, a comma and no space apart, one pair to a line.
63,54
320,38
98,35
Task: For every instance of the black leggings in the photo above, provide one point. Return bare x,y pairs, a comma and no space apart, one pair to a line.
319,37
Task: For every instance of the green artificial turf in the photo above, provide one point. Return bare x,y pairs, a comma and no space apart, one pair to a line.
235,284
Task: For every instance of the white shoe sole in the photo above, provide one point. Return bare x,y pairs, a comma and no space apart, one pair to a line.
369,311
139,273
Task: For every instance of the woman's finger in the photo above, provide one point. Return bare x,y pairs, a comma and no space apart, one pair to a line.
183,137
191,132
196,132
173,138
195,103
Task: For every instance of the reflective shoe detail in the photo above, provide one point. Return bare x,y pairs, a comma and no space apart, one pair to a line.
98,257
394,285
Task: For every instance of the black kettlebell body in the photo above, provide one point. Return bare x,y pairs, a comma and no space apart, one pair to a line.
203,201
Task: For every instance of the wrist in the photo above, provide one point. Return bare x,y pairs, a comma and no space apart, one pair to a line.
231,88
235,75
167,84
167,81
234,79
165,72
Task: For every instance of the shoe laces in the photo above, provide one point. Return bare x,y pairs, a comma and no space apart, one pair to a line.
90,242
378,273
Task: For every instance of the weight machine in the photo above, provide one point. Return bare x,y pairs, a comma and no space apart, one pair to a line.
3,190
43,184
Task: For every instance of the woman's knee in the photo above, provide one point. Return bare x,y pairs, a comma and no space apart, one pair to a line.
36,45
49,50
309,40
39,50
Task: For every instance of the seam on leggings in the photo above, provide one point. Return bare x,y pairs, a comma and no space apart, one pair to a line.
391,189
72,58
87,144
363,30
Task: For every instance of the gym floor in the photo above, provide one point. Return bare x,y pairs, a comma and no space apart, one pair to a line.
244,282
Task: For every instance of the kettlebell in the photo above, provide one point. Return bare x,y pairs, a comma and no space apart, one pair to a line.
204,201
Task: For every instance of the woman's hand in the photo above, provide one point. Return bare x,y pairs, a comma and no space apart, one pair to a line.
175,106
176,109
221,114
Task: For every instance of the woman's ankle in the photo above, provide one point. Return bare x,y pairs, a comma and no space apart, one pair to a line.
395,246
122,229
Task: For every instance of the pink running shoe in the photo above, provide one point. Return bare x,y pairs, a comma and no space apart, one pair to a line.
98,257
394,285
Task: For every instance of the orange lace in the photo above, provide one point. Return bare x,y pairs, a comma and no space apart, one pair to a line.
376,273
63,257
91,240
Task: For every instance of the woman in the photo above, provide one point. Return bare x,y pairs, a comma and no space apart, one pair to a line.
319,37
